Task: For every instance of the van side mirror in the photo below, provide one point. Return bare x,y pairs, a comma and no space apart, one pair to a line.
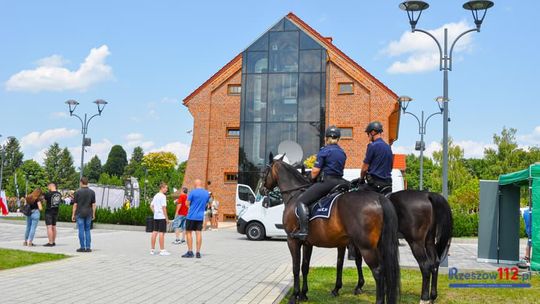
265,202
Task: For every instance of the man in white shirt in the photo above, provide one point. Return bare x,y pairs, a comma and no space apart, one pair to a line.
159,208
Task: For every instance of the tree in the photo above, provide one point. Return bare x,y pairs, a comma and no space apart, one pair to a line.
506,157
13,159
93,169
68,175
161,168
135,166
116,161
106,179
458,174
412,174
31,173
52,163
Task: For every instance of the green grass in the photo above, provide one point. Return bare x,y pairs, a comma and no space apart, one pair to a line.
17,258
322,280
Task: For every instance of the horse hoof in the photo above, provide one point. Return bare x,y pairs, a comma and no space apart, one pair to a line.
358,291
335,293
302,298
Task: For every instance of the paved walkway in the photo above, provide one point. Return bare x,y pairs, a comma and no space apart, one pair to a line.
120,269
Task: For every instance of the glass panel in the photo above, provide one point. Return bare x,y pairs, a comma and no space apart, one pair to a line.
307,43
310,138
252,152
278,26
309,97
249,178
282,97
233,132
260,45
346,132
257,62
345,88
284,52
278,132
310,61
289,26
255,99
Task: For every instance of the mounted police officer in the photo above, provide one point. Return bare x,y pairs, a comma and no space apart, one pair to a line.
328,169
376,172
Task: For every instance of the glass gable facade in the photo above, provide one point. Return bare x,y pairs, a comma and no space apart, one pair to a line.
283,97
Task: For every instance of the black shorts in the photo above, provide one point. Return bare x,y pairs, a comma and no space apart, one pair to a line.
192,225
160,225
51,217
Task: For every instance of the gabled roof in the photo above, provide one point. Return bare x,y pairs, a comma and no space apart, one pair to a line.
322,40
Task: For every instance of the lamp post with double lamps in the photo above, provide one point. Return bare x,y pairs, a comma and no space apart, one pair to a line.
422,124
86,142
414,10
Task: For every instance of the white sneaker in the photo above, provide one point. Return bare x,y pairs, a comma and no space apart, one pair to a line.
164,252
152,252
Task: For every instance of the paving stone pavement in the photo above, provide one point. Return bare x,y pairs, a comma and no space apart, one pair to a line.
121,270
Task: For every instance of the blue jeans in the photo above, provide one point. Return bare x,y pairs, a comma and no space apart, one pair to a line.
31,225
83,223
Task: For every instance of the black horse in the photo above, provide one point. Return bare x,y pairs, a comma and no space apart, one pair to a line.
365,219
425,220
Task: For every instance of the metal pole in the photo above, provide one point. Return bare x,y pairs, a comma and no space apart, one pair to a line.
82,147
422,131
2,154
445,118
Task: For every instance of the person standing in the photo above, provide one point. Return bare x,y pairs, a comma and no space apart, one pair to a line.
159,208
84,211
54,199
32,220
197,201
179,223
207,223
214,207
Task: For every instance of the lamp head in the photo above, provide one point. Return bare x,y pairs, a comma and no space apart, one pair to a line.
441,101
101,105
478,10
414,11
404,102
72,103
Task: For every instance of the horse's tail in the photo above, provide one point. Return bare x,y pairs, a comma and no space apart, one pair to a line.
388,246
443,222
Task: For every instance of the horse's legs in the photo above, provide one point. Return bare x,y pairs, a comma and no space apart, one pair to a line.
372,260
294,248
434,257
358,261
339,268
420,254
307,250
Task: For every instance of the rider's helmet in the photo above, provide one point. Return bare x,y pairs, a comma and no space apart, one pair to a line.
374,126
333,132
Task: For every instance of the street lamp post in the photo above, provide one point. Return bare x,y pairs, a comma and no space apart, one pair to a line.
86,142
422,124
414,11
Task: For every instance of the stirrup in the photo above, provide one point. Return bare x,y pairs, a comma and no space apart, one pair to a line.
299,235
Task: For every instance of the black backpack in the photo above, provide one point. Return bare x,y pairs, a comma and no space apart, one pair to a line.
27,209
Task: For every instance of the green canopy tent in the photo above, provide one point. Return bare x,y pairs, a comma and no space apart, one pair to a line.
529,177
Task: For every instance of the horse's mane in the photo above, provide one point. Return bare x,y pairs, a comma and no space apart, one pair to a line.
293,170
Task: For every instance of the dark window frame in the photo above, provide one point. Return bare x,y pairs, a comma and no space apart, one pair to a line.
340,84
230,177
344,136
229,129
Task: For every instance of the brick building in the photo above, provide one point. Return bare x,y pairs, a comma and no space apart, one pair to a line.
287,86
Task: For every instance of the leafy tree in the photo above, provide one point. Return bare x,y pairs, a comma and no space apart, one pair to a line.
458,174
506,157
52,163
116,161
13,158
412,174
135,166
161,167
93,169
35,175
68,175
111,180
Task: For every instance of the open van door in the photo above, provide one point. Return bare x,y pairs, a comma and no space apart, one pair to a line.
244,198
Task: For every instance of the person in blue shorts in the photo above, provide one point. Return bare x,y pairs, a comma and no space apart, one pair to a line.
527,213
196,201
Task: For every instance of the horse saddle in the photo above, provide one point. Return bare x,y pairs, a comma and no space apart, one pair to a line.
323,207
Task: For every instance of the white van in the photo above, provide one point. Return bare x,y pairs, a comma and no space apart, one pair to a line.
261,217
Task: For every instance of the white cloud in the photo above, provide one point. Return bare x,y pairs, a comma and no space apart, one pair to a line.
179,149
137,139
428,152
47,137
169,100
471,149
52,75
59,115
531,139
423,54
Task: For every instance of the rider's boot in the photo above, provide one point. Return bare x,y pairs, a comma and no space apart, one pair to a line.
303,213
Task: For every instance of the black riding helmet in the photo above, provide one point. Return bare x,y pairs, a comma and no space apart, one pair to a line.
374,126
333,132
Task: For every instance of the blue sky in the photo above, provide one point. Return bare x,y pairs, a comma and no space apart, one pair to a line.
144,57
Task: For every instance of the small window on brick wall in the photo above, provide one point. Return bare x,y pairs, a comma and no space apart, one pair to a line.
233,132
231,177
346,132
345,88
234,89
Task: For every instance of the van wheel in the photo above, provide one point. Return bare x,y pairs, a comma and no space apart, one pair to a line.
255,232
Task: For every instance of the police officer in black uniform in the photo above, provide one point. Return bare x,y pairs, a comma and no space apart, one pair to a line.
377,167
331,162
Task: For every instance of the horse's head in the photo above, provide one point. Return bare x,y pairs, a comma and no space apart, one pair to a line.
34,196
270,176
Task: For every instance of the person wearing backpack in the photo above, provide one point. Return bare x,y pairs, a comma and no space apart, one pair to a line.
32,211
54,199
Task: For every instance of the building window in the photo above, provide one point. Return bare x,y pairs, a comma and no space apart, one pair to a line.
345,88
233,132
231,177
234,89
346,132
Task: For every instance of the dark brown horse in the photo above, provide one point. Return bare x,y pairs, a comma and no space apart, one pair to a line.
365,219
425,220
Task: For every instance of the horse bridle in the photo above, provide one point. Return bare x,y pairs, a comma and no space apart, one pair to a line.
268,169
